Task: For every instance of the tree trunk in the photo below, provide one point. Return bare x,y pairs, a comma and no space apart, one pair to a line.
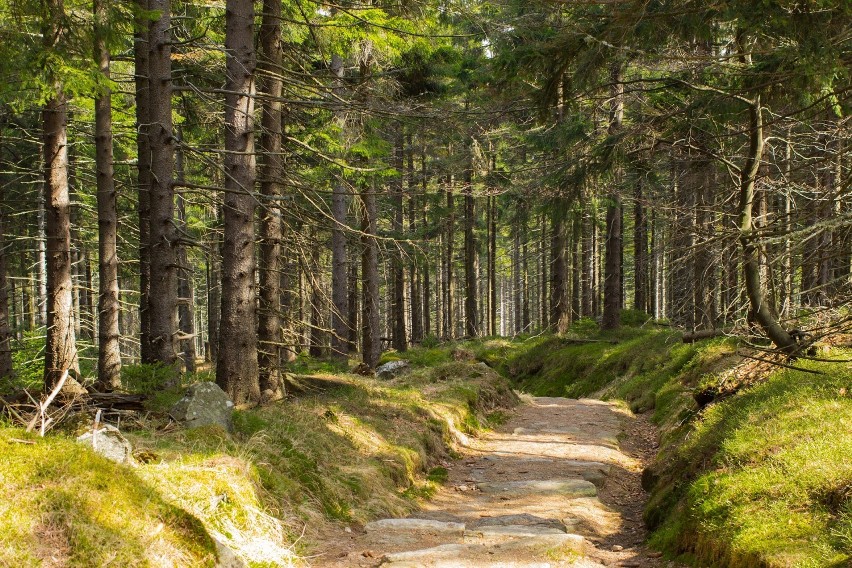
352,299
641,290
397,307
236,368
447,275
614,248
558,292
339,208
314,275
470,257
371,348
162,297
6,368
417,262
109,351
751,263
269,336
61,347
492,263
143,179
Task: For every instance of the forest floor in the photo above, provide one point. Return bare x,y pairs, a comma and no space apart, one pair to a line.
558,484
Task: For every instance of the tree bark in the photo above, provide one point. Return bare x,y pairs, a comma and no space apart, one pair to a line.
641,291
371,348
236,368
558,290
162,297
269,336
614,248
61,346
6,368
339,208
109,351
751,263
143,179
470,257
447,274
397,307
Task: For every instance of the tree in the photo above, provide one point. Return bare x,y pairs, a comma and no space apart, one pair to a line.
109,354
236,366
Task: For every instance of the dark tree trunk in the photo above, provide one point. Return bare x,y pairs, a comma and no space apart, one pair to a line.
576,262
143,180
6,368
162,297
588,284
269,336
492,265
614,248
397,307
352,299
558,291
447,274
339,208
641,291
470,259
109,351
427,309
371,348
236,367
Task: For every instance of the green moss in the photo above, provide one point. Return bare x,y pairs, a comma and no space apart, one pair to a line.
59,499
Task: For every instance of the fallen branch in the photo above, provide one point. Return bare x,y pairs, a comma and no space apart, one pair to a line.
694,336
778,363
44,405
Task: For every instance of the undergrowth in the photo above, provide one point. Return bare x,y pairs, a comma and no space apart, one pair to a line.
360,449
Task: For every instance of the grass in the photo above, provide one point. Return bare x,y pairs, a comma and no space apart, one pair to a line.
361,449
761,478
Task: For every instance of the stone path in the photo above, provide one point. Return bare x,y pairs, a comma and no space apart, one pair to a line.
551,488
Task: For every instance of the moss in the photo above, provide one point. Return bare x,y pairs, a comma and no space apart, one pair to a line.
61,500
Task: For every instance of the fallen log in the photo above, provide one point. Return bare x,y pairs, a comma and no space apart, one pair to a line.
694,336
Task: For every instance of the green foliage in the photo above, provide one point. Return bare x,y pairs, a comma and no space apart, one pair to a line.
27,362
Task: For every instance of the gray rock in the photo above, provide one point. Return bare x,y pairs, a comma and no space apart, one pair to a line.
204,404
568,487
391,369
416,526
227,558
109,442
522,519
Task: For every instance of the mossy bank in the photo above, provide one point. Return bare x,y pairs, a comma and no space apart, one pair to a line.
761,477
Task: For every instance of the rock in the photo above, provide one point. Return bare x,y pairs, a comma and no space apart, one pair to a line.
568,487
416,526
227,558
391,369
617,548
204,404
109,442
523,519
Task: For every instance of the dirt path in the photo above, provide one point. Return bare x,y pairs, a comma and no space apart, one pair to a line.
552,487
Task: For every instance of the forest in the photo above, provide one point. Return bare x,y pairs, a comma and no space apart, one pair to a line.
242,183
247,189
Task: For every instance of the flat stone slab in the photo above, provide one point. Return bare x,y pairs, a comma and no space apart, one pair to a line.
522,519
416,526
475,555
568,487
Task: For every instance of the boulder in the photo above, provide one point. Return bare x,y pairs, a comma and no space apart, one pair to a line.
204,404
391,369
108,442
